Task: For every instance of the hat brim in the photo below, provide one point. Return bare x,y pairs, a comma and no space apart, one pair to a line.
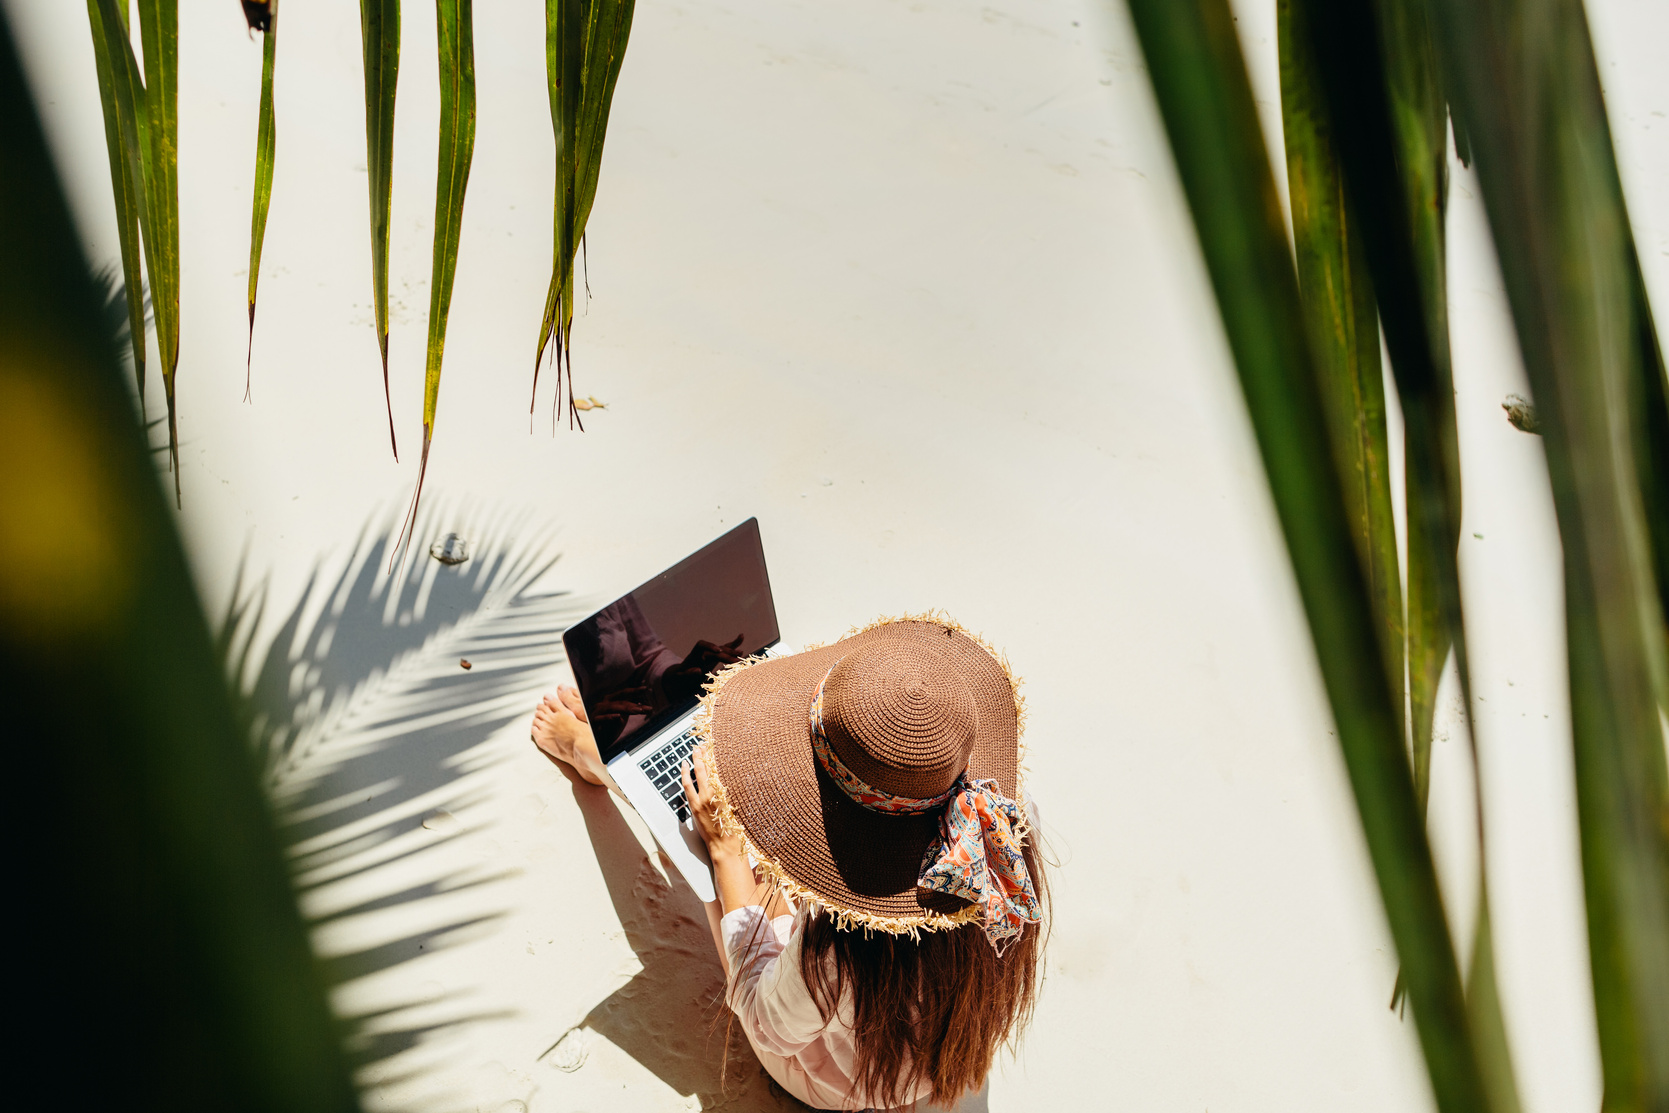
808,835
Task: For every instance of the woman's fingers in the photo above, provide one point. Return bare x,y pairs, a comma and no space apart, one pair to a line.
695,779
698,760
691,793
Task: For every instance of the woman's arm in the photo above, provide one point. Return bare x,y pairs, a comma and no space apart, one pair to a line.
733,878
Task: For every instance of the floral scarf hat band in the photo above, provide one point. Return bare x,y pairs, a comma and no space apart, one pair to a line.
977,857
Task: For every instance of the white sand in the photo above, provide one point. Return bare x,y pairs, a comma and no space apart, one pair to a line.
914,284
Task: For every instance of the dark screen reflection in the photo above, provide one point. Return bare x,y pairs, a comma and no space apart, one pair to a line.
642,661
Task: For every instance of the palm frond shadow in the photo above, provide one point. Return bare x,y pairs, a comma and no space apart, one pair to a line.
372,736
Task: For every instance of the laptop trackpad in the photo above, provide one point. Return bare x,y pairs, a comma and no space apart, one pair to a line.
696,845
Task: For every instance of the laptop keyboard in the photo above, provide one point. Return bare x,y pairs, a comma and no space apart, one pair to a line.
661,767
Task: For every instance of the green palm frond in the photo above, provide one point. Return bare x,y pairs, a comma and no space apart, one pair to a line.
1419,115
1374,80
585,45
455,38
266,150
1337,294
121,139
1205,99
159,34
1524,81
379,26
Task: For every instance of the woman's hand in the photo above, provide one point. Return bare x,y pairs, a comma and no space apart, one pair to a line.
698,790
561,730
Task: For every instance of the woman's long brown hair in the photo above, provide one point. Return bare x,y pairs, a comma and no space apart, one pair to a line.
931,1009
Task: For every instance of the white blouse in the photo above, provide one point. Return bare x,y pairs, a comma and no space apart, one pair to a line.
809,1059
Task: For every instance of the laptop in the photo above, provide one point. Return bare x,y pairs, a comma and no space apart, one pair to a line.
641,664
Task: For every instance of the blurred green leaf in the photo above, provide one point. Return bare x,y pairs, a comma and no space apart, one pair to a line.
1523,78
1652,443
266,146
1199,77
161,897
1483,1001
121,140
379,28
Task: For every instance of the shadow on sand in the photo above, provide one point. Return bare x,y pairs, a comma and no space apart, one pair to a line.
372,735
671,1016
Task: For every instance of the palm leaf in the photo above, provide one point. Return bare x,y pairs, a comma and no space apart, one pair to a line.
585,45
379,28
564,72
1406,257
121,142
455,38
1524,80
608,25
1652,441
266,144
1337,294
1379,77
1418,118
1199,77
159,34
1377,72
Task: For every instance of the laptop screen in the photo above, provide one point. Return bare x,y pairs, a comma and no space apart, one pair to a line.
641,661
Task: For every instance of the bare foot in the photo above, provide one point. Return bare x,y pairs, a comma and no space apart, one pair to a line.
561,730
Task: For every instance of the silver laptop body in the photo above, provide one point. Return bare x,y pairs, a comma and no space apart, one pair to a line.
641,663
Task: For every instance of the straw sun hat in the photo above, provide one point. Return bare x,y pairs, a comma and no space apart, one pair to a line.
878,776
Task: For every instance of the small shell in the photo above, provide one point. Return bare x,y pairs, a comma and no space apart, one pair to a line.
1521,415
570,1052
452,550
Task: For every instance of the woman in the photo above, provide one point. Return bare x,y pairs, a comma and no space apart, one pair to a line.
879,902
